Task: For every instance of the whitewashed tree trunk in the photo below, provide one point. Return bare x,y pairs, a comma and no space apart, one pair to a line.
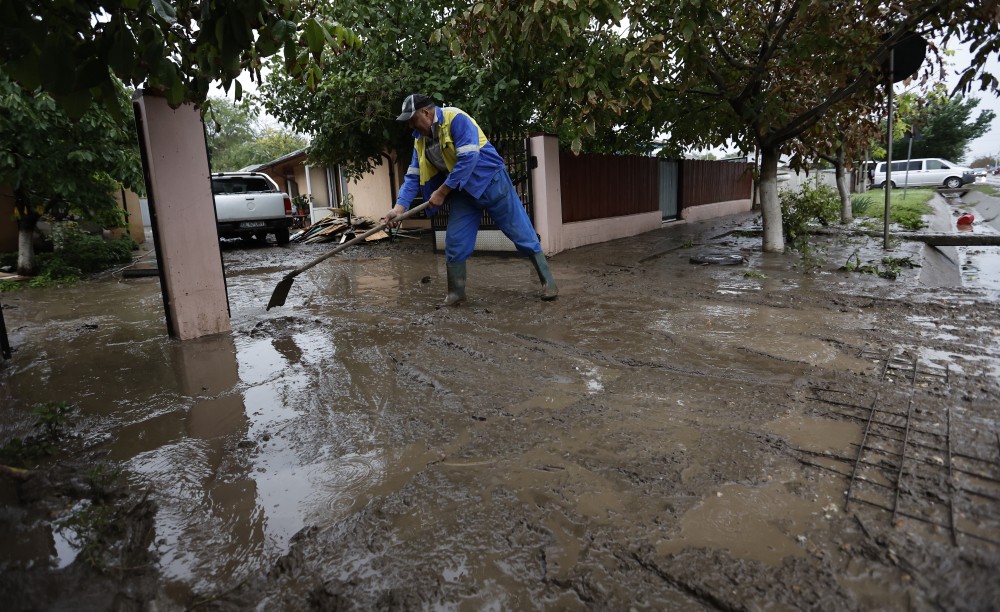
846,216
25,250
770,206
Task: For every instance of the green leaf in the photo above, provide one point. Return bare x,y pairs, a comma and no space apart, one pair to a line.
165,10
315,36
280,30
576,146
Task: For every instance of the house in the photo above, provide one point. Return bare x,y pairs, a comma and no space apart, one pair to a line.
573,200
370,195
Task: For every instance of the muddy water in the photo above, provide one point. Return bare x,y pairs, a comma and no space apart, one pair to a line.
644,440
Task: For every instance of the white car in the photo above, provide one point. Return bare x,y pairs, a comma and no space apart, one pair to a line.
926,172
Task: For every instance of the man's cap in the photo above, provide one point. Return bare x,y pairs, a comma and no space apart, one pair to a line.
412,104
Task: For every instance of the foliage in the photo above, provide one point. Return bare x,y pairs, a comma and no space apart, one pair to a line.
58,167
944,126
801,209
227,126
759,75
235,139
97,526
65,166
861,204
74,254
988,190
892,266
357,130
90,253
52,419
74,49
907,211
302,202
985,161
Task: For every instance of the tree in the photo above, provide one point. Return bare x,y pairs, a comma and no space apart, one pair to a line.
987,161
228,126
943,126
73,49
758,74
351,114
236,140
57,166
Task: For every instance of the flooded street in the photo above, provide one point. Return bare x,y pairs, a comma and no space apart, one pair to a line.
664,435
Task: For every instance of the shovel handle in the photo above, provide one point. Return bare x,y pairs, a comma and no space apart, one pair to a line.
378,228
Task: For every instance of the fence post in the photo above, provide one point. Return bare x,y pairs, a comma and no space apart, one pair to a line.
547,193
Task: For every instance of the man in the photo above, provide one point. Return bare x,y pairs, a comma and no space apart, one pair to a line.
454,162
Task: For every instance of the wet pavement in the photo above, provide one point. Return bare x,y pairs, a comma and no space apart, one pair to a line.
662,435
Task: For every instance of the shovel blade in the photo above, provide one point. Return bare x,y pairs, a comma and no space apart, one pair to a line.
280,292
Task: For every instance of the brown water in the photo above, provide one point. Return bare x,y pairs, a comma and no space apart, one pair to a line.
637,442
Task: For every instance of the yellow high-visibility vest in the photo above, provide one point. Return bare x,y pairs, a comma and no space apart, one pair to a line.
448,150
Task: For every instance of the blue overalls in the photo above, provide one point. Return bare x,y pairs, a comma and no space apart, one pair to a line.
479,182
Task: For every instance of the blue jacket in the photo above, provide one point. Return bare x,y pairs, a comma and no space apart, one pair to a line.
475,163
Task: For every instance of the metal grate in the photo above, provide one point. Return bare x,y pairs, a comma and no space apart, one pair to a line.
936,464
516,153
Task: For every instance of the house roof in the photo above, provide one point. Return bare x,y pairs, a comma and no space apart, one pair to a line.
277,162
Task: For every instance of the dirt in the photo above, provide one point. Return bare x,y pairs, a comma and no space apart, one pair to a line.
663,435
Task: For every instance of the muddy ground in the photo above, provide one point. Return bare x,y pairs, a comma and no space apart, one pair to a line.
664,435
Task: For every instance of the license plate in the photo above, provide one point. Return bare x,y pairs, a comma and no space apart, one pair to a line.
252,224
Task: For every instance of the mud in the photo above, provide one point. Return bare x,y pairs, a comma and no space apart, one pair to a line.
663,435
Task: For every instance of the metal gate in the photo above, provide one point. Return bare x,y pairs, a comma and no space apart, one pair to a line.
668,189
516,153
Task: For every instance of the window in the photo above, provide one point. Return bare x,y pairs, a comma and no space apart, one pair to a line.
937,164
240,184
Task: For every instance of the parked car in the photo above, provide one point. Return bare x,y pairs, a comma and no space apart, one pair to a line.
927,172
249,204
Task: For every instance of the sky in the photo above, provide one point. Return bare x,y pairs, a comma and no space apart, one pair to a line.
988,144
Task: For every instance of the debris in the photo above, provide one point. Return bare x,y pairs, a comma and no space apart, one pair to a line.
336,229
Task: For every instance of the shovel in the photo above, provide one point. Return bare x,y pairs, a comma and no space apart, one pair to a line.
285,285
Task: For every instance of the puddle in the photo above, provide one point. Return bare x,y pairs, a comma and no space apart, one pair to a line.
784,333
744,521
816,434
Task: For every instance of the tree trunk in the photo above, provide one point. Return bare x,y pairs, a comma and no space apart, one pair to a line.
27,221
846,215
770,206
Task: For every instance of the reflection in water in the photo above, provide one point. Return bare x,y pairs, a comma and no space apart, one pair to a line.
208,522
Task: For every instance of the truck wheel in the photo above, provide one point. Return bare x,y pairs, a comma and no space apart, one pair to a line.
281,235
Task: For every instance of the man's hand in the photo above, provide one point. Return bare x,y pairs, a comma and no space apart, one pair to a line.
437,198
389,217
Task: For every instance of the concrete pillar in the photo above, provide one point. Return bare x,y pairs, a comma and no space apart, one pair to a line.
547,194
175,163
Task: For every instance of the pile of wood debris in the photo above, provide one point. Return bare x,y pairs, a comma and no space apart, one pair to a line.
342,229
337,229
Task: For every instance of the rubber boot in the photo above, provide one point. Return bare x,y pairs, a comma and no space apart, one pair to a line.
456,284
549,289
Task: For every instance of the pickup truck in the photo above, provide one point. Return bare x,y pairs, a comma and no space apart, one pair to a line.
250,205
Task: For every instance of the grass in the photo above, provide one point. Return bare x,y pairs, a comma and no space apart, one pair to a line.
989,190
906,211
